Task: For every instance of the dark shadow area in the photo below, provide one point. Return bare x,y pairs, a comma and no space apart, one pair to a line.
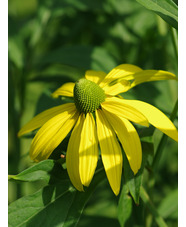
98,221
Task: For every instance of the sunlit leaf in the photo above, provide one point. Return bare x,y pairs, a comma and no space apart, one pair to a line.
166,9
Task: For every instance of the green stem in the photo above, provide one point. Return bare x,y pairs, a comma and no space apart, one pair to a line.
159,152
163,140
174,36
159,220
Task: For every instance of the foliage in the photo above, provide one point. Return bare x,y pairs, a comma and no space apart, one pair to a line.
52,42
167,9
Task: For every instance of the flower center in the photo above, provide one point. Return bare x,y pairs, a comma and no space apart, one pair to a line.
88,96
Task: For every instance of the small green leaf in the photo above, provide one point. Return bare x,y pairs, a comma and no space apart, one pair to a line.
134,182
47,170
124,207
166,9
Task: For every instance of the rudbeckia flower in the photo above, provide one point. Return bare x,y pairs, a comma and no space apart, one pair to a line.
99,116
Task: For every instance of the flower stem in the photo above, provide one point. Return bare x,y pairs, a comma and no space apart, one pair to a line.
159,220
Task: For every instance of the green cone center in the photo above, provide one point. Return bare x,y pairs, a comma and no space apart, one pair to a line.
88,96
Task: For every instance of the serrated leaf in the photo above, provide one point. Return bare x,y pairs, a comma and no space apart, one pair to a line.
134,182
166,9
53,205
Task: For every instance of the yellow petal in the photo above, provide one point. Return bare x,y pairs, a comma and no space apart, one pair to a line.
51,134
121,71
95,76
110,151
119,87
43,117
120,108
72,156
88,150
65,90
155,117
150,75
129,139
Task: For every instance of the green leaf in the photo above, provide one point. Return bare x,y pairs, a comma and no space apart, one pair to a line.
58,73
53,205
47,170
169,205
134,182
124,206
86,57
84,5
16,51
32,210
166,9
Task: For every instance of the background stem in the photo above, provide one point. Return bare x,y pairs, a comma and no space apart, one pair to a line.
159,220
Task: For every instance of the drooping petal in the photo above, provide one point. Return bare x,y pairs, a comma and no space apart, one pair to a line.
129,139
121,71
95,76
88,150
43,117
110,151
155,117
51,134
72,155
150,75
65,90
119,87
120,108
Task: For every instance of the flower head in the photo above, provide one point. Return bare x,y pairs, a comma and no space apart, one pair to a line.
99,116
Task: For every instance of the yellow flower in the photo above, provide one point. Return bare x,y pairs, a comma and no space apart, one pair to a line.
99,116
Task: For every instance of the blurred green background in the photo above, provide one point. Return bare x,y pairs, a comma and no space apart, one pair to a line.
55,41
